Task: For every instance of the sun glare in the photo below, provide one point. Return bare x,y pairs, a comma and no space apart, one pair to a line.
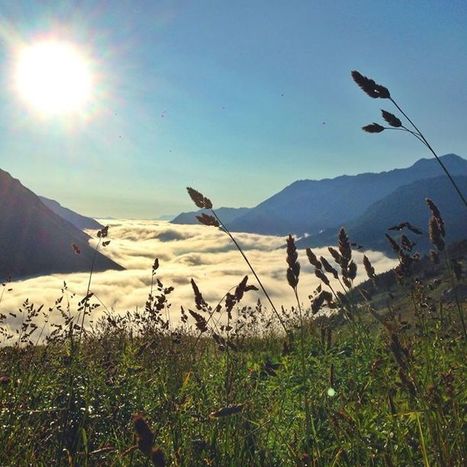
53,77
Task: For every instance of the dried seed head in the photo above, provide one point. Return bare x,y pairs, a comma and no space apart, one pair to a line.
145,437
391,119
335,254
103,232
370,87
321,276
437,215
155,266
328,267
158,458
207,220
317,303
370,270
394,245
199,300
373,128
352,270
201,322
200,200
292,279
435,233
293,270
313,259
406,243
344,246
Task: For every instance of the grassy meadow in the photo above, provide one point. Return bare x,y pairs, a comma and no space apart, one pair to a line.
371,374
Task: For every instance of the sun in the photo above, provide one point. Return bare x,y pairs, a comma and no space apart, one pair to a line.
53,77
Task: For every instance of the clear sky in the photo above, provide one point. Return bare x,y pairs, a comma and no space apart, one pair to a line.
236,98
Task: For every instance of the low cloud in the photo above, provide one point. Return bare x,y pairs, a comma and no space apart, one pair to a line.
203,253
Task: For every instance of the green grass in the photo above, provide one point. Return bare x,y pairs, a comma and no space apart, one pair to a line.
381,381
59,408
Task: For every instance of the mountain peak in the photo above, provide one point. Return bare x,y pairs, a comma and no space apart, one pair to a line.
309,206
450,159
34,240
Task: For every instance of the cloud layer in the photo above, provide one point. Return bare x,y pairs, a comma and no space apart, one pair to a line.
203,253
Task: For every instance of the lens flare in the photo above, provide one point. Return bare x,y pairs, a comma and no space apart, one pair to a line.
53,78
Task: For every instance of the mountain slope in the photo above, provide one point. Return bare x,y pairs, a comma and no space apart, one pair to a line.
309,206
227,215
78,220
406,203
35,241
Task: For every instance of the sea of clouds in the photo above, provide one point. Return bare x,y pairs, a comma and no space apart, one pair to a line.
203,253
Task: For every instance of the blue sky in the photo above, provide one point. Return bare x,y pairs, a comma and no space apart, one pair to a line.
237,99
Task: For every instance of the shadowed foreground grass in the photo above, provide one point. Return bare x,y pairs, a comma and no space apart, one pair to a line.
376,398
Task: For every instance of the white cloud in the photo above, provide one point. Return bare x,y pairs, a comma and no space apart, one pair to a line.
203,253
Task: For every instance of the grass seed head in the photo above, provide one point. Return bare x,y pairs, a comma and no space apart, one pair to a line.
370,270
371,88
145,437
373,128
293,271
435,233
391,119
313,259
328,268
200,200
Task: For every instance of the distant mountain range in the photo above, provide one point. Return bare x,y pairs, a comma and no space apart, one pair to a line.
316,207
78,220
227,215
406,203
34,240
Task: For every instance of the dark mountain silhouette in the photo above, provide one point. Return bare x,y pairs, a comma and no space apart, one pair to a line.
78,220
309,206
227,215
35,241
406,203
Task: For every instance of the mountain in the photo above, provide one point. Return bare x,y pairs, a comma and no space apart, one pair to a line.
309,206
35,241
406,203
78,220
226,215
166,217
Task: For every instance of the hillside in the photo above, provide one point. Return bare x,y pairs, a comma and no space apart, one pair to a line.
406,203
309,206
78,220
35,241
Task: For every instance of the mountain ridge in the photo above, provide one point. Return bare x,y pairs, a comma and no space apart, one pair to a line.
226,214
36,241
405,204
309,206
78,220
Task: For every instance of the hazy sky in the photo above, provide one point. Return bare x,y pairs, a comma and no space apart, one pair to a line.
236,98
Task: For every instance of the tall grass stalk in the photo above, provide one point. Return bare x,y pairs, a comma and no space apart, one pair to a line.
205,203
375,90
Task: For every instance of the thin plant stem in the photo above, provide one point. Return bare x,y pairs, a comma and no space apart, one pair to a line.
427,144
252,270
89,287
309,426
